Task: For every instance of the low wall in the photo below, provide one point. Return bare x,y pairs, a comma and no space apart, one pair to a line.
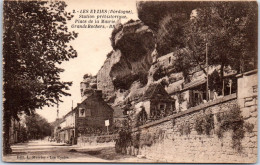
96,140
177,138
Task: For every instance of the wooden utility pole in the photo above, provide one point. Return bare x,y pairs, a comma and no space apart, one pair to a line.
207,65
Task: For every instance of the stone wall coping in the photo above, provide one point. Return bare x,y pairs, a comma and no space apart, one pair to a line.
247,73
94,136
190,110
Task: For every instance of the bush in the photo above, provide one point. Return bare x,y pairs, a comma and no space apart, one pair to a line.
148,139
123,141
204,124
233,120
136,140
185,129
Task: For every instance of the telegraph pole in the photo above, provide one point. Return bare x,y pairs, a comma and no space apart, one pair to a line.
207,65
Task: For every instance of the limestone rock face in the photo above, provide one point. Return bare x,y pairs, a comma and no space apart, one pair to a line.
152,12
104,81
130,60
166,19
88,85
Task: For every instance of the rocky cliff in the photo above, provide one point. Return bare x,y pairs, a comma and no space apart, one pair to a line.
136,60
88,85
130,60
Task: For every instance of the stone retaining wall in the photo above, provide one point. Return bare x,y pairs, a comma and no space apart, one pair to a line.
175,139
95,140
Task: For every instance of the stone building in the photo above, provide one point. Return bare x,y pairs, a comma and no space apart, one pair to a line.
92,113
155,103
248,85
87,118
191,94
66,128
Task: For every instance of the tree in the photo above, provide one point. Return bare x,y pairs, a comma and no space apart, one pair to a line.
170,34
166,19
229,29
215,82
23,136
35,40
37,127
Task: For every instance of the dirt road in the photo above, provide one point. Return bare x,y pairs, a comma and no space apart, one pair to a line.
44,151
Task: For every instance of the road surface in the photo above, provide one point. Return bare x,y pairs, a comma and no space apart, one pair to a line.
44,151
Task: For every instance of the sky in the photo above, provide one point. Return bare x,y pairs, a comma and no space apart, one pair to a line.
92,46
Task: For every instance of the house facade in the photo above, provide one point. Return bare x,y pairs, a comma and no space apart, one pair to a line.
191,94
156,103
91,115
65,131
87,118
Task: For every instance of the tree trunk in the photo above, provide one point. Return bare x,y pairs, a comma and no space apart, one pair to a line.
6,141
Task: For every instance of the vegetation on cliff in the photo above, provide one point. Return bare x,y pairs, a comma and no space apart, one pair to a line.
227,28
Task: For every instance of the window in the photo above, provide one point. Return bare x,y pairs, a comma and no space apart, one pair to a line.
197,97
81,112
162,110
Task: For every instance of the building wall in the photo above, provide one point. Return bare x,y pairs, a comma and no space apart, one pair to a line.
67,128
181,105
70,120
146,104
89,114
174,145
247,83
63,124
96,111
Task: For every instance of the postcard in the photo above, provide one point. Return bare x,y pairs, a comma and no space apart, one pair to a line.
130,81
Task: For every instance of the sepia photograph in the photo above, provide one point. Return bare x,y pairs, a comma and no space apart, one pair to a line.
130,81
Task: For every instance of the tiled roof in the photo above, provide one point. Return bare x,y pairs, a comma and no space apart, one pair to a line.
150,91
174,87
153,90
194,84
